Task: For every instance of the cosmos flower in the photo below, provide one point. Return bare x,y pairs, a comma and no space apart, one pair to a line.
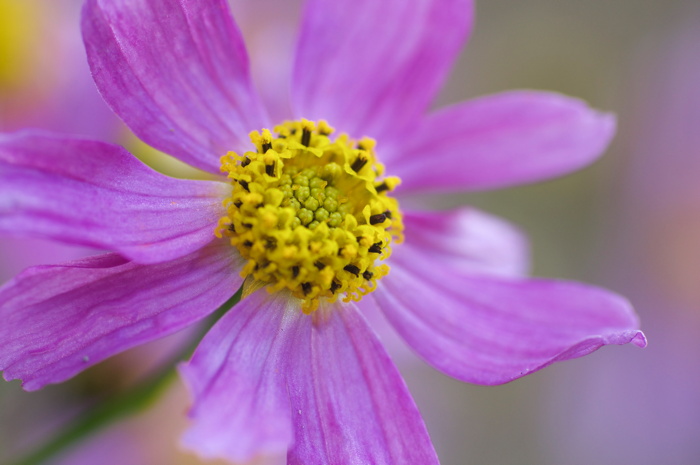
306,217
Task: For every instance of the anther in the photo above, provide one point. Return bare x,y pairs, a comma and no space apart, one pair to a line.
266,146
260,205
306,287
319,265
270,169
238,203
377,219
381,187
247,225
352,269
305,137
270,243
244,184
232,228
245,162
358,164
248,244
335,286
367,275
387,214
295,271
376,248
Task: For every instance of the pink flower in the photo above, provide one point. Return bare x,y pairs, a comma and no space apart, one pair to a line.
297,371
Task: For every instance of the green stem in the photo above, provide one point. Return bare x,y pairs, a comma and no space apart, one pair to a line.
120,405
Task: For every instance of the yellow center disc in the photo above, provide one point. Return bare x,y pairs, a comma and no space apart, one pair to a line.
311,214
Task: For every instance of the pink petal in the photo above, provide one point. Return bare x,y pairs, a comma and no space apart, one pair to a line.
237,379
372,67
59,320
349,402
489,330
469,240
321,386
99,195
176,72
501,140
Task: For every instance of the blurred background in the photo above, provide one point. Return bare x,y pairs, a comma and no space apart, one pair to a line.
630,222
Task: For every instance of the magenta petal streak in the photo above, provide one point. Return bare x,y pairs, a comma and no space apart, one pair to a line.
490,330
96,194
321,384
59,320
350,404
373,67
176,73
500,140
237,379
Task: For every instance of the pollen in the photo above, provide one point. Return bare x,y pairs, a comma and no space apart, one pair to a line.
311,213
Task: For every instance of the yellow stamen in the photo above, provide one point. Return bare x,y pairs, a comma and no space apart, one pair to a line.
310,214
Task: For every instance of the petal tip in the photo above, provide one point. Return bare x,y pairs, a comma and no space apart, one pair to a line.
639,339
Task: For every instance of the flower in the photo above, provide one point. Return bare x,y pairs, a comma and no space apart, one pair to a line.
296,371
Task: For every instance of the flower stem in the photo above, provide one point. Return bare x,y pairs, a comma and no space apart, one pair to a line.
122,404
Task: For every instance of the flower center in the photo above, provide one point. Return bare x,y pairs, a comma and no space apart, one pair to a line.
311,214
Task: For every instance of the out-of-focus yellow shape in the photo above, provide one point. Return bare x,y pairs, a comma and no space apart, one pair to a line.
21,28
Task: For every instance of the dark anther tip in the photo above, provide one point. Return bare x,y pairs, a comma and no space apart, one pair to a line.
319,265
367,275
244,184
334,286
305,137
381,187
247,225
352,269
270,169
295,271
306,287
266,146
245,162
238,203
358,164
387,214
248,244
232,228
377,219
376,248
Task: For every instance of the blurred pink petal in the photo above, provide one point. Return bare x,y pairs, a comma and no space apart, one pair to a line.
470,241
374,67
501,140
